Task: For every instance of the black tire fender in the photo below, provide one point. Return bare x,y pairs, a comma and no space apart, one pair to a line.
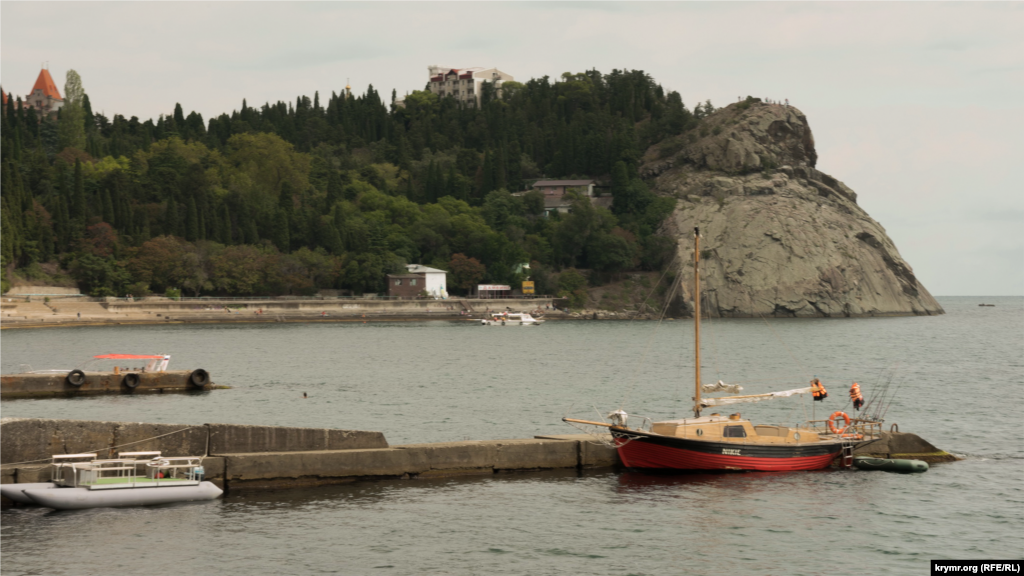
199,378
130,380
76,377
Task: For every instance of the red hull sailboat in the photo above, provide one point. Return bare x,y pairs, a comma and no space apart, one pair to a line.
716,442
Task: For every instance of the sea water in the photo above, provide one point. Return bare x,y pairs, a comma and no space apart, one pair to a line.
954,379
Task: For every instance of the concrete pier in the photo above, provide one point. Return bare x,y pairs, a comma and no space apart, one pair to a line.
240,457
265,457
14,386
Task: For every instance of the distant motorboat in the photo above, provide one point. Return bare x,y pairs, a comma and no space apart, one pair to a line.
986,304
511,319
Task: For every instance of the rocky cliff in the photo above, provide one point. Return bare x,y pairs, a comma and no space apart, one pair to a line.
779,237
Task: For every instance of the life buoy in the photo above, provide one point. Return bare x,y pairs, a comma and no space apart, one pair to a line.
76,377
199,378
853,436
131,380
832,422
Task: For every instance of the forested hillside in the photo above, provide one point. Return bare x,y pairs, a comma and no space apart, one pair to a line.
336,192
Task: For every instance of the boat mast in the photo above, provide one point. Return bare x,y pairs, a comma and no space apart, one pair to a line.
696,318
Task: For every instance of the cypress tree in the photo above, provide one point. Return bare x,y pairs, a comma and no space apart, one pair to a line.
281,237
7,234
451,183
430,188
6,183
252,235
622,192
488,175
334,188
171,226
500,180
192,221
108,207
224,228
179,116
78,211
286,200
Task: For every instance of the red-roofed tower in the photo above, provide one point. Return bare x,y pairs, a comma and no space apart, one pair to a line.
44,96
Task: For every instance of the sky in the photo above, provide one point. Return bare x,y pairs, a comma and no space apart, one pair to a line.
918,107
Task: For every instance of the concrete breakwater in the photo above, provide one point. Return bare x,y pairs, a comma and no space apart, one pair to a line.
239,457
261,457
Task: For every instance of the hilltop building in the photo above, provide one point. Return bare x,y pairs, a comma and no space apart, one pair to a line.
44,97
464,84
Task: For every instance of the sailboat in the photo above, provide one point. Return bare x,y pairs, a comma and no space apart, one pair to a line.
716,442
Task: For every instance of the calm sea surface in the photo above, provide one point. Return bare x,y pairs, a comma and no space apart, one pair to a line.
958,378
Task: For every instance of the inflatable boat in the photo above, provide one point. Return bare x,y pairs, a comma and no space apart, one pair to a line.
890,465
118,482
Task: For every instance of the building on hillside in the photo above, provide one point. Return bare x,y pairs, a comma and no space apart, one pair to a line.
420,279
45,97
464,84
560,188
3,95
555,194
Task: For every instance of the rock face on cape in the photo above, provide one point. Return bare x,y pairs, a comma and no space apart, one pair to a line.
779,237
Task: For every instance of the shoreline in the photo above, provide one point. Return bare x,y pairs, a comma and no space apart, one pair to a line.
65,312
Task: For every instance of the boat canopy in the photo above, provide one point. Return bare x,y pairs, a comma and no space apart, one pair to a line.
753,397
129,357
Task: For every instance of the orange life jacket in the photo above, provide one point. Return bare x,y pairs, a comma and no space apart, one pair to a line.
855,392
817,389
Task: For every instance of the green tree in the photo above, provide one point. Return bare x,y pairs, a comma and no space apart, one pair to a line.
71,131
192,221
466,272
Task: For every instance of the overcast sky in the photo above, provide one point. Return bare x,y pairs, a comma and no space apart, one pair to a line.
919,107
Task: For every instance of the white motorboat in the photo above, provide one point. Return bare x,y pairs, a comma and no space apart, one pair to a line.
117,482
511,319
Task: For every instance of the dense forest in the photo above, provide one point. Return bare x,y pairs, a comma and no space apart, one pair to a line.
294,197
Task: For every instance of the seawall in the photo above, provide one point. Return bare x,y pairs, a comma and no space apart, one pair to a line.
32,313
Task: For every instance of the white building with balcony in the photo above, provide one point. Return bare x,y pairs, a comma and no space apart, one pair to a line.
464,84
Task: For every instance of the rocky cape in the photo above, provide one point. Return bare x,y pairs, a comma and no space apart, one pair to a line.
779,237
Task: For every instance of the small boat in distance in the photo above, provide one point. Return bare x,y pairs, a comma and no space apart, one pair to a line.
511,319
717,442
117,482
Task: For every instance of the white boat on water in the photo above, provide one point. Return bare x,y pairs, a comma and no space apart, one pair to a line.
118,482
511,319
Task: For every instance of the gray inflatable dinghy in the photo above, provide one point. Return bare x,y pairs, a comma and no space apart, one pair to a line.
79,498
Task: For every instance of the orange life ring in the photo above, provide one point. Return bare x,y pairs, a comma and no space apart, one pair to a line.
832,422
853,436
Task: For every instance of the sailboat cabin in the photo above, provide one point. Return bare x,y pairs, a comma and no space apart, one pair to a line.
732,429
